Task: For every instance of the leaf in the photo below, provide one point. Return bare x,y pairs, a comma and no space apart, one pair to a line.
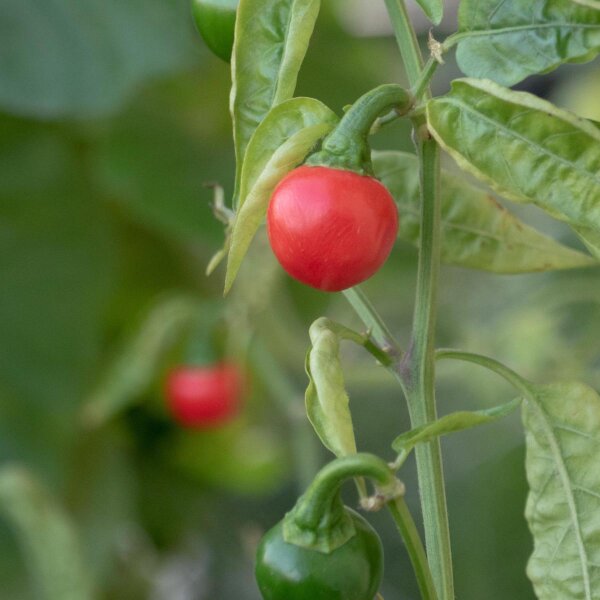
525,148
562,423
457,421
590,238
434,9
327,404
271,39
591,3
508,41
46,535
251,214
84,59
477,232
135,366
279,125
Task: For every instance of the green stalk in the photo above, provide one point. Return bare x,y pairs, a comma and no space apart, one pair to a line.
418,366
311,506
406,39
421,86
408,530
497,367
377,328
418,374
347,146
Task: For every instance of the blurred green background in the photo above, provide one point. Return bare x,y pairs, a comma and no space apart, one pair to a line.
113,116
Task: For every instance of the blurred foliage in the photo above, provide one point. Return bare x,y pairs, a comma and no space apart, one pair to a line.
115,116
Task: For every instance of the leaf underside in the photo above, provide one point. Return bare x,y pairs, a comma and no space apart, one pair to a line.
508,41
524,147
562,423
477,232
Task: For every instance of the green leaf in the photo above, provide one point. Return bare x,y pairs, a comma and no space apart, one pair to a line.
562,423
81,59
434,9
135,365
271,39
477,232
591,3
457,421
590,238
508,41
267,165
525,148
46,535
282,122
327,404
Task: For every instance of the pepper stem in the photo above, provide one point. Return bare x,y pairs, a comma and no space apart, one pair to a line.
347,146
319,520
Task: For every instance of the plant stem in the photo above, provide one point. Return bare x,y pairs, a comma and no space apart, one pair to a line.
418,367
418,374
421,85
408,530
369,316
406,39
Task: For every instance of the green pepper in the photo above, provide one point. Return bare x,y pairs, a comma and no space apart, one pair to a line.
322,550
215,20
351,572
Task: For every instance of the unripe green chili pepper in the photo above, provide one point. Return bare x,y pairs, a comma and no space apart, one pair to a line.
323,550
215,20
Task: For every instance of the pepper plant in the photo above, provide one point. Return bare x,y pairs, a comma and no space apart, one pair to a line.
331,221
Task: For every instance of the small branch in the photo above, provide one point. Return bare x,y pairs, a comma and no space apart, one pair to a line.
497,367
408,530
373,322
422,83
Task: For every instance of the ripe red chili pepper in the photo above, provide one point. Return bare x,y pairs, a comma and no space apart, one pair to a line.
331,228
203,397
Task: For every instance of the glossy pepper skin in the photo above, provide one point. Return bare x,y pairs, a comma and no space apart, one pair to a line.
204,397
352,571
215,20
331,228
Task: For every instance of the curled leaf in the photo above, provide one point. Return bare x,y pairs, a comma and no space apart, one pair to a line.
327,403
